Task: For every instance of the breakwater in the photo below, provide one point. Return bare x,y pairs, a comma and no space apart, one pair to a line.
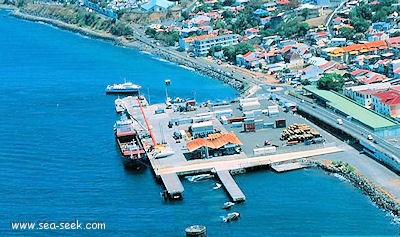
381,198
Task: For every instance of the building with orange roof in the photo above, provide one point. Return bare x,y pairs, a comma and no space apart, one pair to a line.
349,53
214,144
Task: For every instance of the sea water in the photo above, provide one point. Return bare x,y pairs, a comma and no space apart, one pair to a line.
59,162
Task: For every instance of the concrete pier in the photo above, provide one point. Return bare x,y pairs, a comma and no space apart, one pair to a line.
230,186
173,186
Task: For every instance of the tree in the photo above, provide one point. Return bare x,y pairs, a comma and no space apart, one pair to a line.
220,24
347,33
360,25
229,2
382,13
230,53
363,11
305,13
302,28
151,32
243,48
331,81
185,15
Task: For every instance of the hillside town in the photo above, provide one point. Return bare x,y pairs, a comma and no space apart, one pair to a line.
362,51
294,42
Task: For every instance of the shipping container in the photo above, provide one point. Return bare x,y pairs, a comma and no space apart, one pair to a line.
264,150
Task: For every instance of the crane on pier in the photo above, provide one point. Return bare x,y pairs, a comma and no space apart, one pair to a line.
153,139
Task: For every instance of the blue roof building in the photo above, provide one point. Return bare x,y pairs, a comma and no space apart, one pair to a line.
382,26
157,5
261,12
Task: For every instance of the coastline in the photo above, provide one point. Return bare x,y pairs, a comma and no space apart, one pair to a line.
140,43
62,25
377,194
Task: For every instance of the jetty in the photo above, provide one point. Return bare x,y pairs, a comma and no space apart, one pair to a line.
169,168
231,187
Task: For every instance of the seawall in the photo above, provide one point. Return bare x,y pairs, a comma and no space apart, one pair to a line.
379,196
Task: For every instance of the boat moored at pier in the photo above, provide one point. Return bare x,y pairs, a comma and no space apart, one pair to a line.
119,105
129,143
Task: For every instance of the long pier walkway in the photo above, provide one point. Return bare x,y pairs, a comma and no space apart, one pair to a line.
224,164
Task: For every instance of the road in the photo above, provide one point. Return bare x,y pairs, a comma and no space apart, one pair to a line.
350,127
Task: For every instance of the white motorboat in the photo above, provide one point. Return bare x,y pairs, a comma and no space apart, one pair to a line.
200,177
228,205
233,216
217,186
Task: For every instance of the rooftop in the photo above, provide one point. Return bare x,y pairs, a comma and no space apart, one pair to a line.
363,115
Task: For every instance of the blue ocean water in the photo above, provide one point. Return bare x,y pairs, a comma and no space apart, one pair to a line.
59,162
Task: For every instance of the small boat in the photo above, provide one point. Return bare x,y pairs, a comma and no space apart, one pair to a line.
126,87
217,186
163,153
233,216
228,205
119,105
200,177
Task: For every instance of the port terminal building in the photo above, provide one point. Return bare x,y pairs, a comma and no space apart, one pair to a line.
378,124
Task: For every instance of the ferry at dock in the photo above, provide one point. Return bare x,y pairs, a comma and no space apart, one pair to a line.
123,88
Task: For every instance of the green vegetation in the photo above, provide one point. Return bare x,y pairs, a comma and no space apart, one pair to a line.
362,15
167,37
346,33
76,15
331,81
291,28
343,165
230,52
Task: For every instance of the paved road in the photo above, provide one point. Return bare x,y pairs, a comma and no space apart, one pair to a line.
352,128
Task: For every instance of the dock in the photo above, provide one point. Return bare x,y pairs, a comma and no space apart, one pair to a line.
173,186
168,168
288,166
230,186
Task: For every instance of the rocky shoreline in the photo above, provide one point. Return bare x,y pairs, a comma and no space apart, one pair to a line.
237,83
381,198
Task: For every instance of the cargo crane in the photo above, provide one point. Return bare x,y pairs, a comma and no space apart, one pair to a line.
153,139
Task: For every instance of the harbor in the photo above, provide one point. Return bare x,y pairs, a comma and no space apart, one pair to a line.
184,139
